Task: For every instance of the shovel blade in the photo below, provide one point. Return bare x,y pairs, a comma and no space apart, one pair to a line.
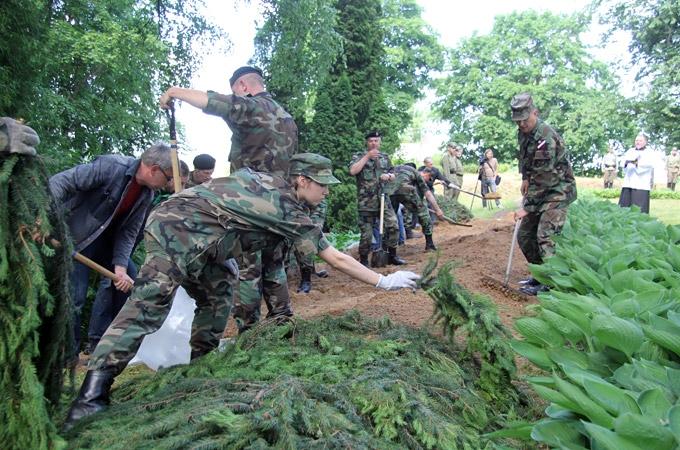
379,258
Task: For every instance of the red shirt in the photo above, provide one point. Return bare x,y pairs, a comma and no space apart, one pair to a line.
134,190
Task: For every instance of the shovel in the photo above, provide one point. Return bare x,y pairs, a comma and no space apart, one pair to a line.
512,250
488,196
380,257
177,181
103,271
451,221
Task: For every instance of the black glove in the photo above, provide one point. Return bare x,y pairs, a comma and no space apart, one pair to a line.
16,137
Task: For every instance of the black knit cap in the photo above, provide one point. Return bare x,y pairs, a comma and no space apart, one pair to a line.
373,134
204,162
238,73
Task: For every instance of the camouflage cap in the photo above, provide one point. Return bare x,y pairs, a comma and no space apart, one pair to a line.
522,105
317,167
452,144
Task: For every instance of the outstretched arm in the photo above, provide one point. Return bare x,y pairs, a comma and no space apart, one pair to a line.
196,98
350,266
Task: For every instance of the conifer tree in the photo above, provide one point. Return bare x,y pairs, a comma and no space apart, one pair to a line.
333,133
360,26
34,305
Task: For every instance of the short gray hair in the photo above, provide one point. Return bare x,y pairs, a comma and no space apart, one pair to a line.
158,155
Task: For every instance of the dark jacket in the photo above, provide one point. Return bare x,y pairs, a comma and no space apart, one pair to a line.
90,194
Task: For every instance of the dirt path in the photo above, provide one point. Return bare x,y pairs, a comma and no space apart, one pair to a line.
480,250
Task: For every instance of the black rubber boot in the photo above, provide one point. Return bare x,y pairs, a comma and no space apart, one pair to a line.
429,244
533,289
394,259
92,398
531,281
363,259
305,280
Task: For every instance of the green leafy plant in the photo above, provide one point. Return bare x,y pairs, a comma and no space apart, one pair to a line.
608,332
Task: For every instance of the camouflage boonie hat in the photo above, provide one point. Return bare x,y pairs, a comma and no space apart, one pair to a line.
317,167
522,105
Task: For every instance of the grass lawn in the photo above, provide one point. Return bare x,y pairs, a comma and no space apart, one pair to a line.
667,211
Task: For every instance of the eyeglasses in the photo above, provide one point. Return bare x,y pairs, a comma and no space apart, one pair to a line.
167,178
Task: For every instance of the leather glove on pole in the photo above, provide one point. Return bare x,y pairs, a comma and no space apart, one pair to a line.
398,280
16,137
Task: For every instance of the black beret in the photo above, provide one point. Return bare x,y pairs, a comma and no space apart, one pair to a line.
204,162
372,134
238,73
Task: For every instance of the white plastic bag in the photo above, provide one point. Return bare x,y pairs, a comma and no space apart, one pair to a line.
169,345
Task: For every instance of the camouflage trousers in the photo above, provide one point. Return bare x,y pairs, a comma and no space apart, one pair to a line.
261,274
416,206
609,176
536,232
168,265
391,228
452,194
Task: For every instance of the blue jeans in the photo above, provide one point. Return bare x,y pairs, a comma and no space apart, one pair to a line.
107,305
99,251
489,185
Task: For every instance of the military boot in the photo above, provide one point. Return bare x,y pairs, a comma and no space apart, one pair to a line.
92,398
394,259
429,244
305,280
363,259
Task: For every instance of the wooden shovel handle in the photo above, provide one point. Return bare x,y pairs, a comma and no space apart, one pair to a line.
88,262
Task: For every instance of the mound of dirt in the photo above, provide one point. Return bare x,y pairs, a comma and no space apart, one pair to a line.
481,250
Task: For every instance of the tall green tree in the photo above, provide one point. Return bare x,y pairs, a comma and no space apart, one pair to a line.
297,45
412,52
333,133
654,26
92,83
541,54
362,32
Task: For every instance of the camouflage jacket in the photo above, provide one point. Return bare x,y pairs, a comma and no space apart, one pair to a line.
543,162
190,180
369,185
453,167
408,182
264,135
245,212
673,162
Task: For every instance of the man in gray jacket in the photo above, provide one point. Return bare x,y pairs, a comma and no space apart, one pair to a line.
106,202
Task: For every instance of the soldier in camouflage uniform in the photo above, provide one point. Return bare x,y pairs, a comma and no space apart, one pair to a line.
672,168
548,185
373,170
188,239
264,137
204,166
408,188
306,263
453,170
609,168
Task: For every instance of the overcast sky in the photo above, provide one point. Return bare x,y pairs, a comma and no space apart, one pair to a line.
451,20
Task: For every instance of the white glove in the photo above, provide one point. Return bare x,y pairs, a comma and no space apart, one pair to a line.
232,266
453,186
16,137
398,280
